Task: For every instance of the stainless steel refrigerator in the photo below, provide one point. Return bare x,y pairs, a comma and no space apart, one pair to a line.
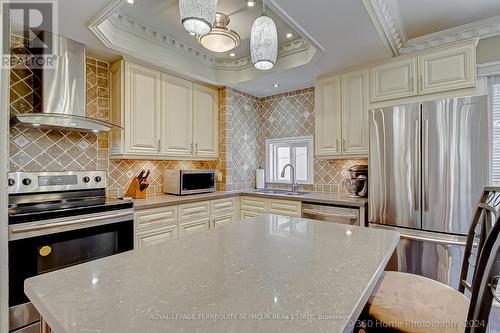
428,164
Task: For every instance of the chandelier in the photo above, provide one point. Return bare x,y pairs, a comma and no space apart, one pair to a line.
220,38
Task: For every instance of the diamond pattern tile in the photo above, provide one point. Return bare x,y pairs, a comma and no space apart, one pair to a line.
245,122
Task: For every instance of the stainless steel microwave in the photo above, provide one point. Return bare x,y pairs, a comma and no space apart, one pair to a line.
184,182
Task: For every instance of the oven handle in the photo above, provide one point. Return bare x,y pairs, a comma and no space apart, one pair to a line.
17,230
316,213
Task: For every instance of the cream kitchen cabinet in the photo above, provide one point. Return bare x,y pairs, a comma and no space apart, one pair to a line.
394,79
144,238
448,68
194,226
154,226
224,211
355,103
163,117
328,113
342,115
437,70
206,122
137,105
255,206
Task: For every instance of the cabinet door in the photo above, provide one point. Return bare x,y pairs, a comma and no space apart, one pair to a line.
355,95
447,69
328,126
254,204
285,207
206,122
142,109
222,220
155,236
189,228
394,79
177,117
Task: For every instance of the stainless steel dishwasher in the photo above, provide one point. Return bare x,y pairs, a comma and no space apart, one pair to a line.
344,215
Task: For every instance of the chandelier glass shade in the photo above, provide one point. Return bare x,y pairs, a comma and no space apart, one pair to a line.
220,39
264,43
197,16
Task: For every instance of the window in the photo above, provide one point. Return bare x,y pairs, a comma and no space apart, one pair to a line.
296,151
494,85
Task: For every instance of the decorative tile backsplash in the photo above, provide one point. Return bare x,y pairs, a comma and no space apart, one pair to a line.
245,122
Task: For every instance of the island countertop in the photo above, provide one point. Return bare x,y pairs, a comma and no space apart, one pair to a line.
266,274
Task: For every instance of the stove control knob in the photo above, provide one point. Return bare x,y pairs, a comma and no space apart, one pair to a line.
97,179
86,179
26,181
11,182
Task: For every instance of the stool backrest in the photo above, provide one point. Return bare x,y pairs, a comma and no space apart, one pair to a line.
484,288
487,212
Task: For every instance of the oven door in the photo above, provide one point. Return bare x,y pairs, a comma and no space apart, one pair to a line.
197,181
51,250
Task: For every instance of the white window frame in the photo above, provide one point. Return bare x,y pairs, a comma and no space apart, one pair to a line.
272,174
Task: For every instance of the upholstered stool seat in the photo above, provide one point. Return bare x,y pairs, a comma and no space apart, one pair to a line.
411,303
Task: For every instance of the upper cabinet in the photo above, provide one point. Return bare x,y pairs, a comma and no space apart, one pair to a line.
341,128
328,116
394,79
206,122
163,117
435,71
447,69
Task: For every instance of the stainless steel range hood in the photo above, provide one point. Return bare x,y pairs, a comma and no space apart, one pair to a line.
63,92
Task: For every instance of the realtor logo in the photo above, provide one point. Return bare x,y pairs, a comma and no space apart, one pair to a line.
26,21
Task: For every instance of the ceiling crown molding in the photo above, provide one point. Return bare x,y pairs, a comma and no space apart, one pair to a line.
480,29
387,19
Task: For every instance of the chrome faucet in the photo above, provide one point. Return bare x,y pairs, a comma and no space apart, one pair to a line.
293,184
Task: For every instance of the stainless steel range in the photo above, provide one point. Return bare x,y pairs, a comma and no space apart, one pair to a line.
56,220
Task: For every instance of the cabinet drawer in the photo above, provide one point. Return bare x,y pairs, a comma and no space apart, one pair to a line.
285,207
248,215
251,204
193,227
194,210
156,217
150,237
222,220
223,206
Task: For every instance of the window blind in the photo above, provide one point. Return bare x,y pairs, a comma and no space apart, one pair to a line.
495,146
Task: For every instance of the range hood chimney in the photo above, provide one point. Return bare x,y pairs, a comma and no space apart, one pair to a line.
63,92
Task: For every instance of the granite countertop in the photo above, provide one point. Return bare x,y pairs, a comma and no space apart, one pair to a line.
266,274
161,200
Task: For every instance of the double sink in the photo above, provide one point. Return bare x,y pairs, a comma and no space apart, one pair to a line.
282,192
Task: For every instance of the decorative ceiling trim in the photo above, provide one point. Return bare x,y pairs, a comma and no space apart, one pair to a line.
480,29
387,20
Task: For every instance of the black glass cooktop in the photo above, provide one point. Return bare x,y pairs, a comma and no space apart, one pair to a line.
43,206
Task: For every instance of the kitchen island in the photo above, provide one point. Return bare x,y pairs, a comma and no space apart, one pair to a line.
267,274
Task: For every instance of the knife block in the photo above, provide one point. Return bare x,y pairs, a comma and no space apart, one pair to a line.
134,190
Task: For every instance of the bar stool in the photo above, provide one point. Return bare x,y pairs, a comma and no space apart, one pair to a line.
410,303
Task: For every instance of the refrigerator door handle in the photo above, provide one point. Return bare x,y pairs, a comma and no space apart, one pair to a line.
416,165
425,165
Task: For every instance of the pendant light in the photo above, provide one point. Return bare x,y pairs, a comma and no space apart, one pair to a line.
197,16
264,41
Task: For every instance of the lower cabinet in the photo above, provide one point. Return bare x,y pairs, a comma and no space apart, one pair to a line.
220,221
253,206
193,227
155,236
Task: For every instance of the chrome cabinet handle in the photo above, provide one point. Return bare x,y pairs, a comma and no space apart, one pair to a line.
411,83
159,145
192,149
16,230
337,145
344,144
196,148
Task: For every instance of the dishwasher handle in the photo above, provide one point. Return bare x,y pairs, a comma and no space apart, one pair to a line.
334,215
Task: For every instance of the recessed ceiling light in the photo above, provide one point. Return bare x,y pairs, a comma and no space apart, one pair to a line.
131,2
232,54
276,85
289,35
192,34
36,125
250,3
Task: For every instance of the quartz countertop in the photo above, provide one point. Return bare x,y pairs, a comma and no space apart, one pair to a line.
266,274
161,200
